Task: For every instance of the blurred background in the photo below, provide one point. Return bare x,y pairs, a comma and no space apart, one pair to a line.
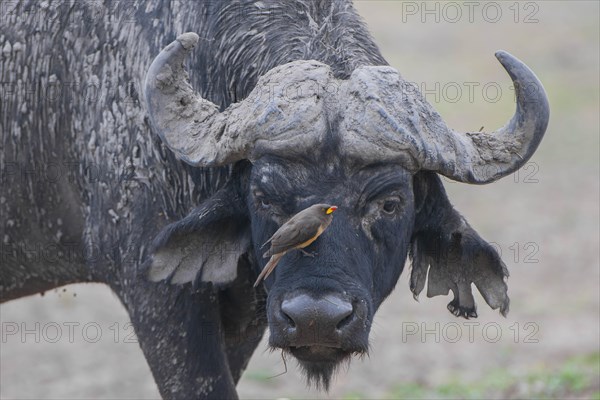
544,220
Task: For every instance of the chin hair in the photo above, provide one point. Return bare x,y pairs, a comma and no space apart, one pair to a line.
320,374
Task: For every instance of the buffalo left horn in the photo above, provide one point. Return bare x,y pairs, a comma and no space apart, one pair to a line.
480,157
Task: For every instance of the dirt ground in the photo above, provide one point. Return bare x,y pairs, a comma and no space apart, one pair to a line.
544,220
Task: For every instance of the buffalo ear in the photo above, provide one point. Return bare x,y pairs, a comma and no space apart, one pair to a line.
206,245
444,244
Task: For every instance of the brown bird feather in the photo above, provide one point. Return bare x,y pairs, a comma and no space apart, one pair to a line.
298,232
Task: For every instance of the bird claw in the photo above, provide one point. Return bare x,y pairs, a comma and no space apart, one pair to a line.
307,253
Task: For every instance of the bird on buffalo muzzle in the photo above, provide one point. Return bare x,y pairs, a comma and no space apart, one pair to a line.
297,233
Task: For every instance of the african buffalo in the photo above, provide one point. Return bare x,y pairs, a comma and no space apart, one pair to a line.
166,193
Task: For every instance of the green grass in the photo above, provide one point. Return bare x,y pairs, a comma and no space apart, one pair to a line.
578,377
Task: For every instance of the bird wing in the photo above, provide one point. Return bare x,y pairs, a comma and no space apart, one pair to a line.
293,233
270,239
301,216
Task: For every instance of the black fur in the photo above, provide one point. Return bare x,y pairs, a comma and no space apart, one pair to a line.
208,243
198,339
455,255
361,254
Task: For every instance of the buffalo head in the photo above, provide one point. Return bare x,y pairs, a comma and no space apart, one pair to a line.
366,144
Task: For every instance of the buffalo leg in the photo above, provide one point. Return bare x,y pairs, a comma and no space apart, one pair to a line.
179,331
243,317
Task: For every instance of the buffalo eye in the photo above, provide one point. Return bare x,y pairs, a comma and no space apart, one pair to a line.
391,206
262,201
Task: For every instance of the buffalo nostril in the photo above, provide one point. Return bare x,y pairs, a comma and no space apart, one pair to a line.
328,313
290,312
288,319
345,321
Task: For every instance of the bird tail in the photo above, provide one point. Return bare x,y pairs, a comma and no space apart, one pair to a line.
268,268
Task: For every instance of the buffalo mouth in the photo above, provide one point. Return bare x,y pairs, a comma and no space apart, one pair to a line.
316,354
320,332
320,363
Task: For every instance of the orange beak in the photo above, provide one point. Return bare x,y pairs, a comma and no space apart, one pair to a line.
330,210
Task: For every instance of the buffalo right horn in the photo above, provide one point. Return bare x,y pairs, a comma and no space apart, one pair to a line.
192,127
276,121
